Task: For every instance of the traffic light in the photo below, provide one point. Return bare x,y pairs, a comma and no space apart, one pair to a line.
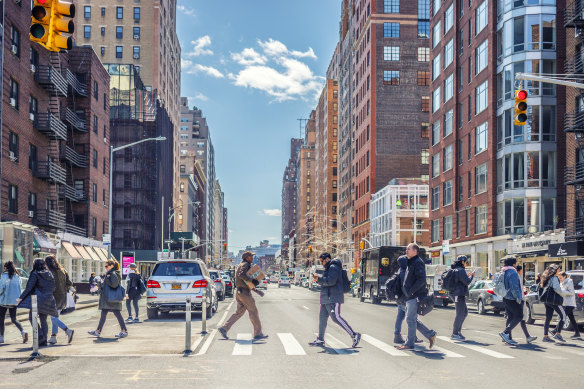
224,246
309,250
361,245
520,107
50,19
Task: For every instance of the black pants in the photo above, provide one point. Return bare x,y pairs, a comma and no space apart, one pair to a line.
129,306
117,314
43,327
549,313
570,314
334,311
514,314
461,314
12,313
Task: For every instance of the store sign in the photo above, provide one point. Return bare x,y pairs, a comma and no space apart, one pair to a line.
568,249
535,243
435,254
446,246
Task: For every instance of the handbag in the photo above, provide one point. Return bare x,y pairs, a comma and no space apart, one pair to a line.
425,304
114,295
551,297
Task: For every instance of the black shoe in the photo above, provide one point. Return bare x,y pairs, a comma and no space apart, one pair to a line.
317,343
356,339
223,333
260,337
418,340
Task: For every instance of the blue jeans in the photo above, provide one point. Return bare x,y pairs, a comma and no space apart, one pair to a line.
401,315
57,324
414,324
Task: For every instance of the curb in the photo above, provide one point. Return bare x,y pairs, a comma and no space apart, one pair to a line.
24,312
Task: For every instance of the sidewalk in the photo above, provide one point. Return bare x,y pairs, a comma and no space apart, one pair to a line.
84,301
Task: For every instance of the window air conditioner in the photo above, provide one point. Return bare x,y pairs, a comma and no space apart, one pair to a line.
13,101
31,116
136,56
14,49
136,37
12,156
30,213
32,68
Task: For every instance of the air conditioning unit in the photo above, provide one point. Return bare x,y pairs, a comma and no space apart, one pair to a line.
104,140
14,49
12,156
137,37
30,213
32,68
136,56
13,101
31,116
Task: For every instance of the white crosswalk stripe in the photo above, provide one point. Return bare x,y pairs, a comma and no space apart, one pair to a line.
479,349
383,346
243,345
291,345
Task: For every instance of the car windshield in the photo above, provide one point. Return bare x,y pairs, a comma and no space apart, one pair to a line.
176,269
578,280
226,278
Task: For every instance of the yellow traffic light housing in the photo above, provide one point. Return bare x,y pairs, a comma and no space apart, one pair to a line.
520,107
361,245
50,19
309,250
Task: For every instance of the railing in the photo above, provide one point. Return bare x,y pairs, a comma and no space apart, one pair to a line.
75,229
574,121
51,171
51,80
68,154
574,65
71,193
50,125
574,174
73,119
48,217
76,85
574,14
575,228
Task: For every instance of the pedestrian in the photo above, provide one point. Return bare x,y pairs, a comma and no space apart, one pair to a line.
9,292
62,285
113,280
525,313
133,293
402,262
567,286
460,293
332,296
512,299
42,284
245,301
414,287
93,281
549,280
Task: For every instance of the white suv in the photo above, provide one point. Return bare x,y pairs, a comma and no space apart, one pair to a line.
284,281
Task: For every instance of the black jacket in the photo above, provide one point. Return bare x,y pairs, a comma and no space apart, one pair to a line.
112,279
414,281
41,284
462,280
133,286
62,285
403,264
331,290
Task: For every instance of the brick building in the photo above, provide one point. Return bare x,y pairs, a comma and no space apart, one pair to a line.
289,193
305,196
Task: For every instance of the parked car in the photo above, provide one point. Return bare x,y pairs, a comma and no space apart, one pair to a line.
482,295
172,281
274,278
263,284
219,284
284,281
228,285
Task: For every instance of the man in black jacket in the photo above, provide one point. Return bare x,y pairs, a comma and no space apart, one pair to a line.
414,287
460,294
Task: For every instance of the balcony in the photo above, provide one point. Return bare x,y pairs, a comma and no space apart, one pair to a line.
73,229
76,85
575,65
574,14
71,193
574,121
50,218
73,119
51,80
48,170
50,126
575,228
574,174
67,154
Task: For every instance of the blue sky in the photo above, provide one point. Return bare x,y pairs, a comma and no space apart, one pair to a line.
254,67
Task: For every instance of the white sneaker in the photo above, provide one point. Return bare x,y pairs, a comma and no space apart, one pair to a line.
122,334
1,339
52,339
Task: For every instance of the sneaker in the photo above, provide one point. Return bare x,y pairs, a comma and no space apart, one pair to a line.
70,333
456,337
559,337
122,334
397,339
95,333
1,339
317,343
136,320
461,336
432,340
576,337
547,339
129,319
24,337
531,339
356,339
507,339
223,333
260,337
52,339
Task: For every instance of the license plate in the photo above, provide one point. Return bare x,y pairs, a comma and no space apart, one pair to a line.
176,287
441,292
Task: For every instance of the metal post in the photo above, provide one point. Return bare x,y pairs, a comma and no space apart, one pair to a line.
204,312
35,326
188,326
109,223
162,227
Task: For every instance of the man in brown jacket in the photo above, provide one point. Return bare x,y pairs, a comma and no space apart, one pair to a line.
245,301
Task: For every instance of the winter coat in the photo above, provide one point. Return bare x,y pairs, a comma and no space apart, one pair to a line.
112,279
461,279
62,285
403,265
41,284
512,284
414,281
9,289
568,293
331,291
133,286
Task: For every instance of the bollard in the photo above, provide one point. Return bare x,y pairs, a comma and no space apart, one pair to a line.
188,326
35,326
204,313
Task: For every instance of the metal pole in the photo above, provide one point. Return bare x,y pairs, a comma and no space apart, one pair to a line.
188,326
204,313
109,223
183,247
35,326
162,227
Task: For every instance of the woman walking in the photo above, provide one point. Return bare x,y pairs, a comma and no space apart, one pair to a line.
523,324
62,285
133,293
112,280
42,284
9,292
93,288
567,286
550,285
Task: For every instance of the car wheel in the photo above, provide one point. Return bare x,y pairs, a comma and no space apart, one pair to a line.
481,307
444,303
530,319
152,313
210,310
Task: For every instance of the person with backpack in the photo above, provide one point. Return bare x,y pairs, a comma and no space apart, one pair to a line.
332,295
567,286
134,291
523,323
62,285
457,282
393,288
9,291
551,294
512,297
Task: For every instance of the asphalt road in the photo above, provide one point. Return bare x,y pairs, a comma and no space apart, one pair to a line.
152,356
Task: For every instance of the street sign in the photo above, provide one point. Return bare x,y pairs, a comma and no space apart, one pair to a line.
446,247
106,238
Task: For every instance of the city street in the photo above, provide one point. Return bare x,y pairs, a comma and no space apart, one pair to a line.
152,355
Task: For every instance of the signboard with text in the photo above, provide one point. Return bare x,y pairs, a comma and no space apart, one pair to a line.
127,259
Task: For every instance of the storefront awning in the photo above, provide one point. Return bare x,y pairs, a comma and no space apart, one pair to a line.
92,253
567,249
42,242
100,253
70,250
83,253
104,251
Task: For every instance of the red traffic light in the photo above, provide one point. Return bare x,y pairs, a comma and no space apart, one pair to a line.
522,94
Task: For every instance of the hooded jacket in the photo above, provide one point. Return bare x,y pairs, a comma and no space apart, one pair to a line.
414,281
62,285
331,291
41,284
112,279
133,285
9,289
568,292
461,279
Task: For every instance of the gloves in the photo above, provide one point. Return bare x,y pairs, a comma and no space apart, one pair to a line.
255,282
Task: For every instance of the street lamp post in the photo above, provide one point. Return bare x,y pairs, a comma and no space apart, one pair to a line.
111,177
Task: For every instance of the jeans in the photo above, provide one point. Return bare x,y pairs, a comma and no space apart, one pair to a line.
514,315
12,313
570,314
461,313
117,314
414,324
334,311
57,323
129,307
43,327
399,320
549,313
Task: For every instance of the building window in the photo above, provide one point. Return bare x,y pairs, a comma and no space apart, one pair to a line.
94,192
136,52
436,7
87,32
334,183
391,6
436,34
436,165
15,41
136,13
481,138
102,11
435,197
423,54
448,118
460,188
391,53
95,158
423,78
33,105
183,169
12,198
391,30
14,91
436,66
95,125
481,178
481,17
34,57
13,146
448,18
119,12
137,33
182,186
447,193
104,165
436,99
435,132
448,87
436,230
32,157
32,202
119,32
425,130
460,153
425,157
119,51
447,162
102,50
448,53
423,29
481,97
447,226
93,226
481,56
481,219
425,103
391,77
87,12
102,31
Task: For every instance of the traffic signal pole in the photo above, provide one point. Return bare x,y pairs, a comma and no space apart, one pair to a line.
547,79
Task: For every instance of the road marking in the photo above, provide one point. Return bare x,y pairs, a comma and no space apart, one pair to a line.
243,345
338,346
290,344
566,349
478,349
207,343
225,315
305,307
197,342
383,346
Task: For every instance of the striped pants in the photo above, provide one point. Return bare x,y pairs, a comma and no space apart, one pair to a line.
334,311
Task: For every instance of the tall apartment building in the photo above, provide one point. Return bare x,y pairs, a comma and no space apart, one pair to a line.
390,99
493,180
305,208
219,237
289,193
143,34
192,199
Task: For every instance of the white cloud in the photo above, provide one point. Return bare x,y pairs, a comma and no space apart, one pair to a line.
189,67
276,48
249,57
273,212
201,97
200,47
185,10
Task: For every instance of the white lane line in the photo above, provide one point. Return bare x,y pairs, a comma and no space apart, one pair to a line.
383,346
290,344
447,353
207,343
566,349
338,346
243,345
478,349
196,343
305,307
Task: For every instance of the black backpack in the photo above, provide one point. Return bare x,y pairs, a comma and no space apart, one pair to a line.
345,281
393,287
449,280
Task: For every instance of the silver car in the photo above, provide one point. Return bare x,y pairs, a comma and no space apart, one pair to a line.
172,281
219,283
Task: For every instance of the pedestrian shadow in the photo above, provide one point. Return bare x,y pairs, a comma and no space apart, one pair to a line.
338,351
570,345
475,343
428,353
105,340
529,347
